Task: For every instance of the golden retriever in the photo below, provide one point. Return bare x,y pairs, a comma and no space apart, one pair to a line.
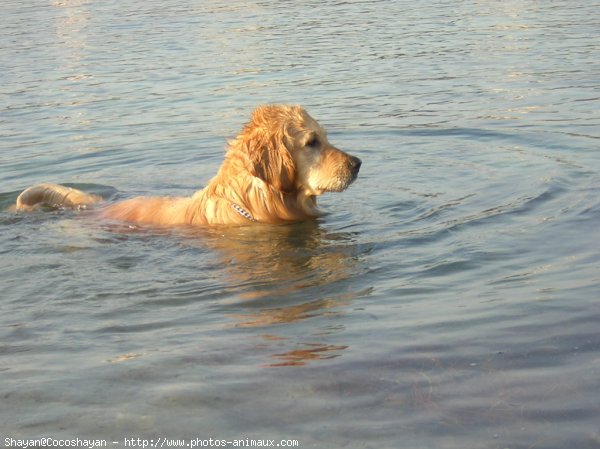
272,173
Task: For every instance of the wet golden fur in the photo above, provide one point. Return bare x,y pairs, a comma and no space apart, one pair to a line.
273,170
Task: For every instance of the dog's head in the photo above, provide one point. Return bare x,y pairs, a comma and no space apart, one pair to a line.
288,149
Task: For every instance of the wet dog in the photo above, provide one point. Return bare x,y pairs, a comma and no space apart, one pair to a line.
272,173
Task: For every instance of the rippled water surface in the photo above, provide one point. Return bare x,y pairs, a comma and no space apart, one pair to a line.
450,299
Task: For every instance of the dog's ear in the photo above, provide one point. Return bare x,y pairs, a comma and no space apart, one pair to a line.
271,159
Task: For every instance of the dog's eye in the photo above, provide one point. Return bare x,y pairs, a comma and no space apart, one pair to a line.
312,141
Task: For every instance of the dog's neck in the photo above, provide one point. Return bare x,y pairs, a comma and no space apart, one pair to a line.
262,202
246,197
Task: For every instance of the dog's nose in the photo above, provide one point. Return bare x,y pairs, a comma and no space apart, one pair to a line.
355,164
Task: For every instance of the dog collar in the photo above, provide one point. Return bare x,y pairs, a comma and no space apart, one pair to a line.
243,212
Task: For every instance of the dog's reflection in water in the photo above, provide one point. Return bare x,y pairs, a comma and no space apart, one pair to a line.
286,274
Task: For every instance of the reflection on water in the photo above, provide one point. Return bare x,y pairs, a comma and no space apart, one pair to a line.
449,299
274,261
314,351
285,274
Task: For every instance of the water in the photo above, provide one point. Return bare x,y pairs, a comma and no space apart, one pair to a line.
448,300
